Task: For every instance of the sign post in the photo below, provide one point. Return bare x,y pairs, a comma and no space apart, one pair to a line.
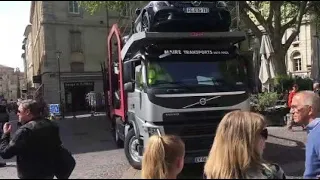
54,109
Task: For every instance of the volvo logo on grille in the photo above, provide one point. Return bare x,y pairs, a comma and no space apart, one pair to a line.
203,101
196,3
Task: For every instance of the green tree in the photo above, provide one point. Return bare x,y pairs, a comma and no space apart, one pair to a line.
274,18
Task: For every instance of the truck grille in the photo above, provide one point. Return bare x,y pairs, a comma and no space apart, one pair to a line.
195,137
194,118
191,130
196,129
193,144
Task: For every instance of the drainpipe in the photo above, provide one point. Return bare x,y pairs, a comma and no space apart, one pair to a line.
317,52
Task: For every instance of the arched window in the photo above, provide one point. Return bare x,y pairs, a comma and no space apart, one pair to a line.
297,62
77,67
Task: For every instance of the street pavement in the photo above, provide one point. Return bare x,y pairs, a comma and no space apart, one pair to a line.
89,139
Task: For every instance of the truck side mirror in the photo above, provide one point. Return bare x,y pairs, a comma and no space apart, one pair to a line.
138,11
129,87
128,72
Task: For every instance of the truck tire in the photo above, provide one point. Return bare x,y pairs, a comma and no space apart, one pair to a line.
116,137
131,151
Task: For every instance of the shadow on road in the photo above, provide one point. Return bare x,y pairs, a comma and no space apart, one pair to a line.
86,134
285,155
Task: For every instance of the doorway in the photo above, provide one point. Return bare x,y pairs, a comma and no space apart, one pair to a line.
75,95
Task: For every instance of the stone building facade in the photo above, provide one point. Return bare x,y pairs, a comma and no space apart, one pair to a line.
301,59
62,26
11,83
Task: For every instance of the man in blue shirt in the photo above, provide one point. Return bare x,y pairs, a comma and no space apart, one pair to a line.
305,108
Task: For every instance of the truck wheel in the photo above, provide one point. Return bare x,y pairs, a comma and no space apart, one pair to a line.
117,139
131,150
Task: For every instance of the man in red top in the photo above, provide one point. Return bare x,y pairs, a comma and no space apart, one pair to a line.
295,89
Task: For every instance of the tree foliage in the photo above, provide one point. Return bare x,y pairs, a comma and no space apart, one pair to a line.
94,6
119,6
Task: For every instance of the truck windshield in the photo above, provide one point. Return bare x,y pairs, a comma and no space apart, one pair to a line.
195,71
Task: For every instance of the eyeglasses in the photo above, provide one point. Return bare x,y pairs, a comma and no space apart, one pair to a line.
264,133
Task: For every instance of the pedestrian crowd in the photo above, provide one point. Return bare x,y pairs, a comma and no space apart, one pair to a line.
236,152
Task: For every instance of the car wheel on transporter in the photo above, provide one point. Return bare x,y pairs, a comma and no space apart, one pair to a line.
131,150
145,22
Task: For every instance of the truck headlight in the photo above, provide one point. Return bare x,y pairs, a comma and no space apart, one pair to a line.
153,131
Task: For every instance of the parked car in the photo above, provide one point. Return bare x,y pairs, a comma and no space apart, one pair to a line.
181,16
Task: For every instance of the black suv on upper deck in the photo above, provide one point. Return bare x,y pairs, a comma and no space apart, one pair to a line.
183,16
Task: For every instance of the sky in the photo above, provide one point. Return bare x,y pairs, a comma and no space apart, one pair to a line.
14,17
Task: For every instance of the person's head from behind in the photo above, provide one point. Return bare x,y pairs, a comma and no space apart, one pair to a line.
305,107
3,102
28,110
295,87
316,86
163,157
238,145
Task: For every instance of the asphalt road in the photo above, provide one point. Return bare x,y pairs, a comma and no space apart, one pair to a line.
89,139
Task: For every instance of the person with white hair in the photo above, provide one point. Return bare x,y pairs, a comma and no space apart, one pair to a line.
316,88
305,108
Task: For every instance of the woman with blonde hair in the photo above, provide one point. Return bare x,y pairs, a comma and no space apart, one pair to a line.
163,157
237,149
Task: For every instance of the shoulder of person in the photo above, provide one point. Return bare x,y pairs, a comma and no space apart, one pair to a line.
42,122
273,171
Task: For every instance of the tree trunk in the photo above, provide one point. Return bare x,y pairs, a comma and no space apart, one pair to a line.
280,63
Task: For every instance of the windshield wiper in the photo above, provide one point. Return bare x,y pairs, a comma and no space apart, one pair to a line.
179,83
213,81
221,82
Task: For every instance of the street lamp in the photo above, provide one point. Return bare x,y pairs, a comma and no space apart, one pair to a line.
58,54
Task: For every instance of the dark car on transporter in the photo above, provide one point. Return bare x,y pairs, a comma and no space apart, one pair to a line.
183,16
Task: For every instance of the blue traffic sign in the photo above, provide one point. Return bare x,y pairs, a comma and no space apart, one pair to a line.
54,108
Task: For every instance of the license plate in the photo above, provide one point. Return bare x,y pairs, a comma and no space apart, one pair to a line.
200,159
196,10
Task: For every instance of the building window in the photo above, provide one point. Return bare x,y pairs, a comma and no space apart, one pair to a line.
74,7
75,41
297,62
77,67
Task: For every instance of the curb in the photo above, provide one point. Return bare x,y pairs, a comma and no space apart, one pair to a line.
131,173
